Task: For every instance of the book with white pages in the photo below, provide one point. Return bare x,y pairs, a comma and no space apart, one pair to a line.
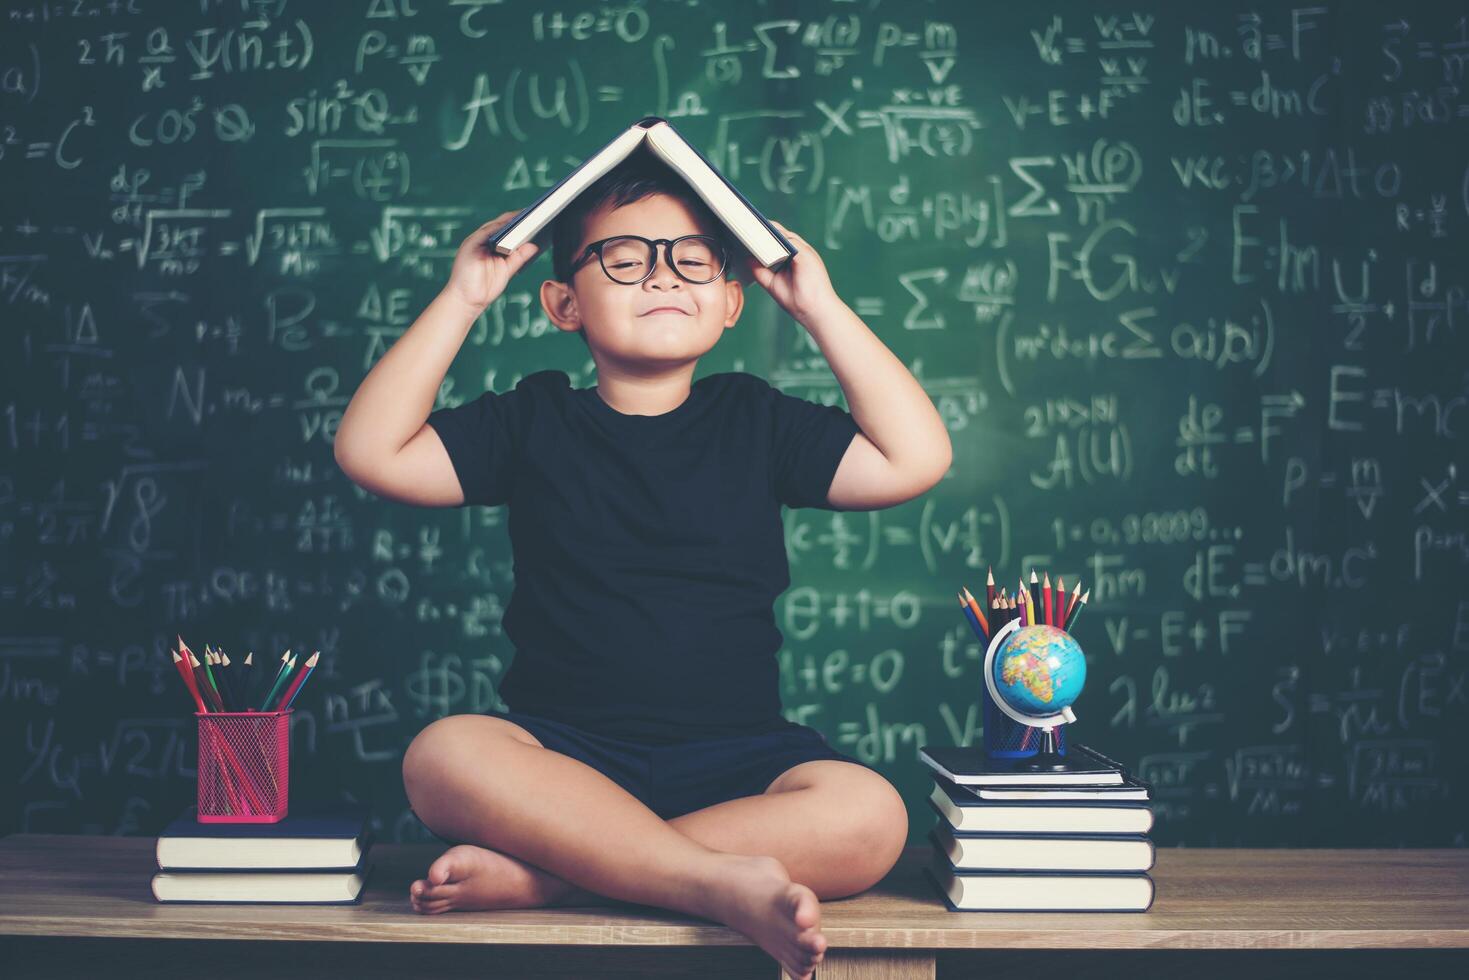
1038,891
324,837
1131,789
1042,852
265,887
745,222
970,766
966,812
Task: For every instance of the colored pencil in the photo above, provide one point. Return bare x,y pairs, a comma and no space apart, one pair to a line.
278,686
211,662
285,659
973,621
209,671
989,588
290,697
1035,591
185,676
210,696
249,676
1047,606
973,604
1076,610
232,668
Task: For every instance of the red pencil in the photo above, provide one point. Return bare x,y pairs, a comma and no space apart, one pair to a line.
202,683
187,678
1046,606
294,683
300,681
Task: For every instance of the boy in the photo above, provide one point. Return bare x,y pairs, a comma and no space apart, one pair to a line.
646,759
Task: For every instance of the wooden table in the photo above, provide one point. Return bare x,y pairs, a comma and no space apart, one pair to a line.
74,906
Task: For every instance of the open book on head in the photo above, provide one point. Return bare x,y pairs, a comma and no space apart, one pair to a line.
748,226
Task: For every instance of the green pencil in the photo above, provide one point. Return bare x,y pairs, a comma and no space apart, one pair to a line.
1076,609
209,673
284,657
279,682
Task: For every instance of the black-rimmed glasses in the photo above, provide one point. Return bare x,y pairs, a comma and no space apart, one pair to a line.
629,259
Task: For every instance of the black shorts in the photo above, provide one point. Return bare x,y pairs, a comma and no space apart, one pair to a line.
672,780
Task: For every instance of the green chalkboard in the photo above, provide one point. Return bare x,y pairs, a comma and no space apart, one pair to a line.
1188,285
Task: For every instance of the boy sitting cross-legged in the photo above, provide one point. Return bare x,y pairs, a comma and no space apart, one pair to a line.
645,758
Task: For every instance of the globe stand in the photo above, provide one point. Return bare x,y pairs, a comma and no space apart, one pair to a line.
1047,759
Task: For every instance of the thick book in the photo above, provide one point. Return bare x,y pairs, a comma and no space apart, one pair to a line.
966,812
265,887
763,241
989,891
1131,788
1042,852
330,837
969,766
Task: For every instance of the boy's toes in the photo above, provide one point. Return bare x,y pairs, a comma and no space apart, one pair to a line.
423,895
444,870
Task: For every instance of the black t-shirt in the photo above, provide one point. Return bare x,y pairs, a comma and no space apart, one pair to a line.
648,549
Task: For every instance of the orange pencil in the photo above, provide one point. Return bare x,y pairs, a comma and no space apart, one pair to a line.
973,604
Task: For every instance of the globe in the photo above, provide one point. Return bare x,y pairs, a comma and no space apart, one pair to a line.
1039,670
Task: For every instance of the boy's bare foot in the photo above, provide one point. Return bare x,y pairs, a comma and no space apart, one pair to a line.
466,878
781,917
756,897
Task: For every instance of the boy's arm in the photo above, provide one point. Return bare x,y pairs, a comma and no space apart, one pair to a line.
383,443
903,448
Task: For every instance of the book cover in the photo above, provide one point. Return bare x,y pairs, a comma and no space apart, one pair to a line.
751,228
263,887
1131,788
1007,851
965,811
971,766
1039,891
321,837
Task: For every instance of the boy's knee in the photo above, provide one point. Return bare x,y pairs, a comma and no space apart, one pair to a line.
432,751
881,836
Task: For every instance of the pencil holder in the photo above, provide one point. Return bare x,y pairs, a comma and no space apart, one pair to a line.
1006,738
244,766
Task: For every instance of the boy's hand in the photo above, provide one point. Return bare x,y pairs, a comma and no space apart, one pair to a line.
802,286
480,274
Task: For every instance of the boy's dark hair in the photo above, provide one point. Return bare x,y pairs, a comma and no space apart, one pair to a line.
641,175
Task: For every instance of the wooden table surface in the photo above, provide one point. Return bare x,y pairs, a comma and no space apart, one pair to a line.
78,886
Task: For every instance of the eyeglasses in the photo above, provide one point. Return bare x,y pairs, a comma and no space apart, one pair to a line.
629,259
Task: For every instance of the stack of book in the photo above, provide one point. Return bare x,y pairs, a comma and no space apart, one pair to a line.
315,857
1010,840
